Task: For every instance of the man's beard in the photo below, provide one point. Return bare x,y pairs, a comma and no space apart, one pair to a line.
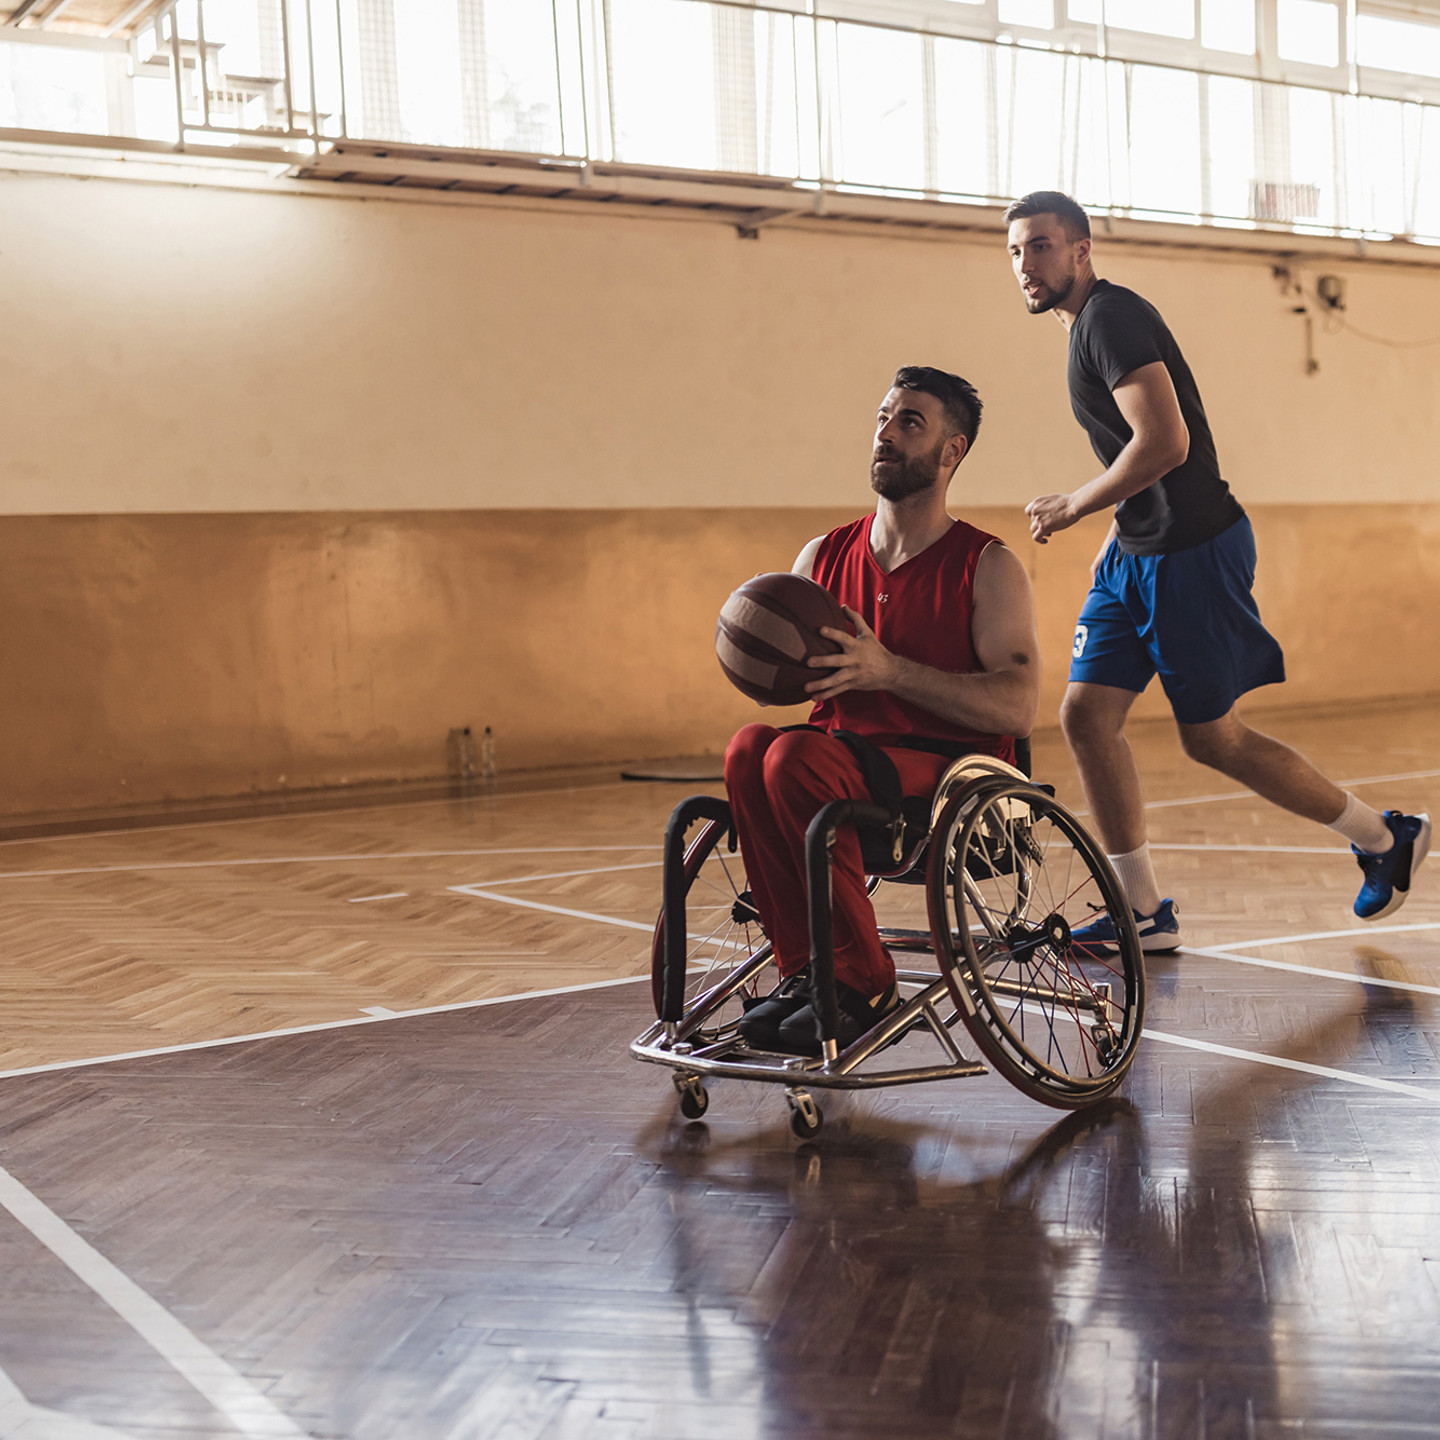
910,478
1052,297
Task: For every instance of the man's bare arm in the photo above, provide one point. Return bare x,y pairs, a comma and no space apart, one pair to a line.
1159,442
805,560
1001,699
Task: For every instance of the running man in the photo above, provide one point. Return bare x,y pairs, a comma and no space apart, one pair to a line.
1171,586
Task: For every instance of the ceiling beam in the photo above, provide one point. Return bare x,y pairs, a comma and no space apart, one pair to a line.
56,11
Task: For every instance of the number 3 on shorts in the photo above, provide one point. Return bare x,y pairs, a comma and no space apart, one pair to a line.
1082,634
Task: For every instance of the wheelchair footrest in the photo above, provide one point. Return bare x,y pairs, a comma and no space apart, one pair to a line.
730,1057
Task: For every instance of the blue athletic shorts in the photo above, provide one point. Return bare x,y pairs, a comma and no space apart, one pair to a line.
1188,617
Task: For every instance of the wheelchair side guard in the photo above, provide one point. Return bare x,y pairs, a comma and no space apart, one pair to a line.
967,772
695,807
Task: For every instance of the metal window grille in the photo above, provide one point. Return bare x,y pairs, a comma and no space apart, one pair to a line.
722,88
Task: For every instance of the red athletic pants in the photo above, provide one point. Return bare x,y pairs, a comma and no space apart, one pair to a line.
778,782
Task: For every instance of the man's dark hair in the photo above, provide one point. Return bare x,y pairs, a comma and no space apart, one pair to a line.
1073,220
961,404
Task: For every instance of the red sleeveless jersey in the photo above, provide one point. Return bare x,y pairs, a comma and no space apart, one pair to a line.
921,610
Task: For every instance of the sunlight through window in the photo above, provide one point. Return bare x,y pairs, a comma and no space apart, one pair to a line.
731,90
1401,45
1228,25
1152,17
46,88
1165,141
1309,31
1037,14
522,108
882,118
663,83
427,73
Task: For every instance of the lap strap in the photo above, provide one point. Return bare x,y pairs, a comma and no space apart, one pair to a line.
882,780
877,769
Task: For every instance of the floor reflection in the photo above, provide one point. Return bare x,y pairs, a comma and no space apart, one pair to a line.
1160,1267
892,1302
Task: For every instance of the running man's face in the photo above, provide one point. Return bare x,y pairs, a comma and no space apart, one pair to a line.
1045,261
911,435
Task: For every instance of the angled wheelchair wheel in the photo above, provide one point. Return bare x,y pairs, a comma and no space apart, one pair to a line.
728,958
1012,876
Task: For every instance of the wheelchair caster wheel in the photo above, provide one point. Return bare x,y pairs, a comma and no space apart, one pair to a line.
805,1115
694,1099
1107,1043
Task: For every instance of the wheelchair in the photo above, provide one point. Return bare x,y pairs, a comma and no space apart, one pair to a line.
1009,875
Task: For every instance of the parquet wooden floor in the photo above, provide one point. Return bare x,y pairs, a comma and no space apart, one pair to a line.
489,1222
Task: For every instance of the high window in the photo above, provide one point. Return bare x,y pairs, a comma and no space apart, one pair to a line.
1316,115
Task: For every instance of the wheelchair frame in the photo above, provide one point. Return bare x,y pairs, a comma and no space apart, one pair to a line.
967,788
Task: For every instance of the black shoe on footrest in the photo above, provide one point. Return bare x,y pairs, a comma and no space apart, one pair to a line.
800,1034
760,1024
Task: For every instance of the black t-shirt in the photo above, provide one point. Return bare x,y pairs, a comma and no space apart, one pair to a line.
1115,333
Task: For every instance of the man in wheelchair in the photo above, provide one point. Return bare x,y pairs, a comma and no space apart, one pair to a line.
944,662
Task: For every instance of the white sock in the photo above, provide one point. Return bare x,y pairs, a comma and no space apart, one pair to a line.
1363,827
1137,879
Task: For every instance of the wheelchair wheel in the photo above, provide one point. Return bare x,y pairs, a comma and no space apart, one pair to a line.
724,933
1012,876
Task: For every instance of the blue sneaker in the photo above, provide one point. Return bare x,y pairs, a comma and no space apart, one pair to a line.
1388,876
1159,932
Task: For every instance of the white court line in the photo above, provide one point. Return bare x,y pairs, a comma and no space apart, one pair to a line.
1385,779
1320,970
224,1387
585,915
346,1024
1263,849
378,1014
568,874
146,866
1372,1082
365,899
480,894
1251,795
1306,1067
1392,1085
1326,935
20,1420
326,859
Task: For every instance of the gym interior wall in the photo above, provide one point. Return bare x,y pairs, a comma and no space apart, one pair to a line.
293,483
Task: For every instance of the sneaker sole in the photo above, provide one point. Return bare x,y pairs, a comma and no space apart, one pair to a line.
1161,944
1398,896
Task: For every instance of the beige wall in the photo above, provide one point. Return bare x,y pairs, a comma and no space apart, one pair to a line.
152,657
292,485
169,349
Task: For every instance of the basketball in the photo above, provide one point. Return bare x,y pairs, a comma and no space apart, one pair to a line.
769,628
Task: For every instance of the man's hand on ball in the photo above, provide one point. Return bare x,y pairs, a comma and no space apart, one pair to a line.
862,664
1049,513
